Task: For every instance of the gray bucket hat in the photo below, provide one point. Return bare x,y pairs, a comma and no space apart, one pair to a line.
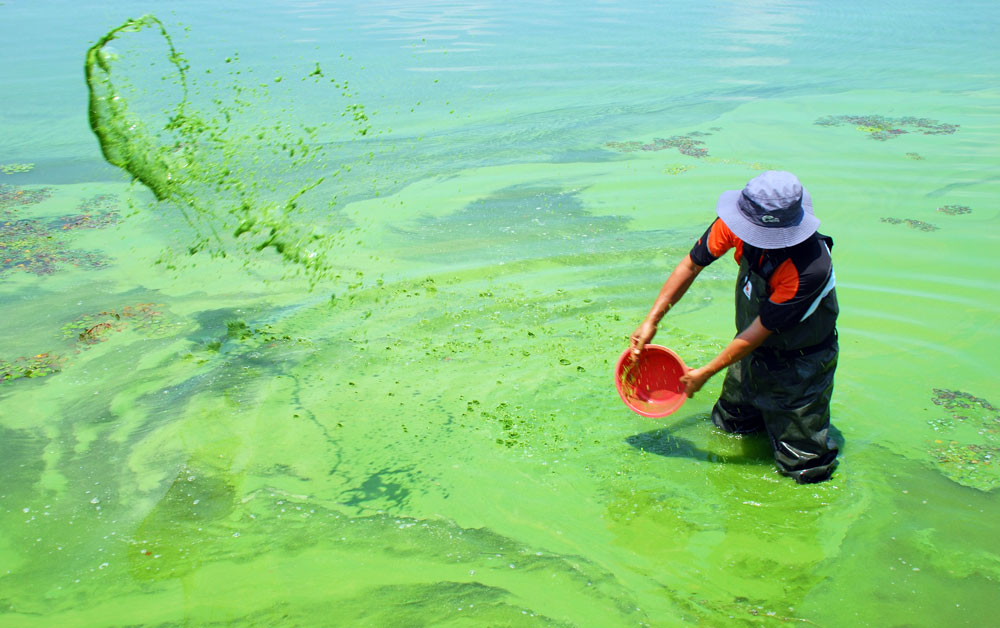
773,211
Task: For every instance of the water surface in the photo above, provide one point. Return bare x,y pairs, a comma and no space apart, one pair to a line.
424,430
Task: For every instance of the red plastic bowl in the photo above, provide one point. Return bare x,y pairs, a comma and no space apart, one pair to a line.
651,386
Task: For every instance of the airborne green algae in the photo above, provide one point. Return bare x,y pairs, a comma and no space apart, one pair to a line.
243,183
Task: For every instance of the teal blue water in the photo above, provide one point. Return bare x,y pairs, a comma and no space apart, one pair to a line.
414,423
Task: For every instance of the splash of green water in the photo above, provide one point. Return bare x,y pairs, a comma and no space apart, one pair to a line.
244,181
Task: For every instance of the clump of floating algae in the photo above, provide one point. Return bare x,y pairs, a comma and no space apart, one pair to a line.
38,365
14,196
967,444
85,331
520,426
685,144
90,329
690,145
16,168
243,180
882,128
919,225
96,212
955,210
35,245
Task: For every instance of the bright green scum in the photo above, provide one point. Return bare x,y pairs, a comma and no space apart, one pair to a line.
441,443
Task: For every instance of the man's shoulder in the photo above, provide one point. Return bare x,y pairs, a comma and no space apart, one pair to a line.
815,247
812,259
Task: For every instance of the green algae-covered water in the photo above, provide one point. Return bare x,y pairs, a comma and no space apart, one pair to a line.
316,326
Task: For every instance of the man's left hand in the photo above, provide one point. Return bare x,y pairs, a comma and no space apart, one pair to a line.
694,379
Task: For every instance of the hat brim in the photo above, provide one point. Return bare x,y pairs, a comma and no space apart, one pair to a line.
766,237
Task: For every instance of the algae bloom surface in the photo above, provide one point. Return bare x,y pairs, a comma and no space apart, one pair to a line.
310,313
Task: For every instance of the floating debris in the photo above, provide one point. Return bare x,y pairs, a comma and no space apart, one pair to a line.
97,212
15,196
882,128
954,210
676,169
239,330
91,329
86,221
38,365
685,144
919,225
27,245
87,330
915,156
967,444
32,245
952,399
16,168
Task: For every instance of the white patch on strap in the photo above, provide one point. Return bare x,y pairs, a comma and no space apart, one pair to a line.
747,288
830,284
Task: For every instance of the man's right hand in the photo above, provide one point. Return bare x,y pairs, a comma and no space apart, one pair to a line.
671,292
641,337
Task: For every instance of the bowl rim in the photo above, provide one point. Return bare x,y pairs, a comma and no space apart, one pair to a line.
621,393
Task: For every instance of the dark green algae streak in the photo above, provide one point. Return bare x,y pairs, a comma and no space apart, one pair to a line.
108,116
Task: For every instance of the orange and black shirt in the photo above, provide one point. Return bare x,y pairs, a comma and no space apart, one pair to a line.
796,276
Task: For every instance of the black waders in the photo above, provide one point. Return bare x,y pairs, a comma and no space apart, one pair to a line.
785,385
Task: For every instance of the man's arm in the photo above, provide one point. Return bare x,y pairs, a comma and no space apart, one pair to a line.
740,347
673,289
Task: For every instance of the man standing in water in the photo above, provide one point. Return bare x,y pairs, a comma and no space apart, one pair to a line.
782,361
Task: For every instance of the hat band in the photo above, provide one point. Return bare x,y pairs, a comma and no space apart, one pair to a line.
763,217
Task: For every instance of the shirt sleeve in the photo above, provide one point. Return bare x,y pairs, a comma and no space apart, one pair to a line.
714,243
794,285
